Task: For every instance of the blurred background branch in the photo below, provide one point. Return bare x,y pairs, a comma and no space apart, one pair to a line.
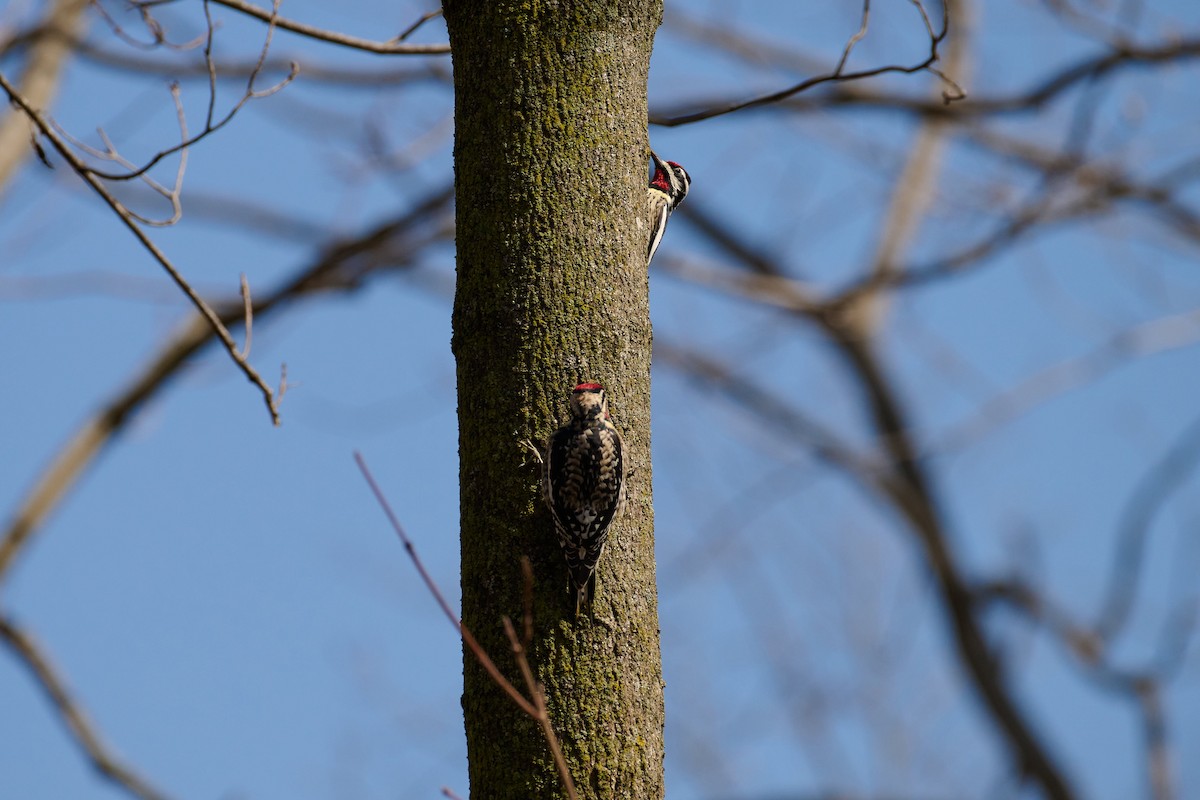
925,437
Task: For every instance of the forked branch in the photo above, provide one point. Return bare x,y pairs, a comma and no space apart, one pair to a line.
536,708
89,177
839,74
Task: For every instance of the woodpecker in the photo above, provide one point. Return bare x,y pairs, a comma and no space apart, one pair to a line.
667,189
584,484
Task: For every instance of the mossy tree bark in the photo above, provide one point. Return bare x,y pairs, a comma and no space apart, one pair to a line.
551,163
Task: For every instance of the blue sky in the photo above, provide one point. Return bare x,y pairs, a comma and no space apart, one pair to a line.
228,605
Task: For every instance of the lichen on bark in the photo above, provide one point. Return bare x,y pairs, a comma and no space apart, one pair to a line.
551,159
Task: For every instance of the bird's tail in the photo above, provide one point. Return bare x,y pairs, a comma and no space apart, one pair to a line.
584,591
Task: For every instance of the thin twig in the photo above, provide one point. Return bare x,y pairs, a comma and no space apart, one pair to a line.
50,46
1160,773
1157,336
1171,51
480,654
837,76
209,64
385,48
1167,475
93,181
1143,688
157,33
906,481
230,70
339,266
211,127
856,38
541,715
912,194
110,153
106,763
411,29
248,321
537,709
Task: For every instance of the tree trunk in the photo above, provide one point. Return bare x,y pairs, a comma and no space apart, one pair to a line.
551,162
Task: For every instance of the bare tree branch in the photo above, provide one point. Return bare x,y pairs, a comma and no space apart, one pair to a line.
913,193
520,648
342,266
849,95
1154,732
1100,183
1149,338
910,488
392,47
721,35
210,126
101,756
536,709
39,80
158,34
213,319
191,68
468,638
1152,491
838,75
767,284
768,290
1073,189
717,377
1141,688
831,795
411,29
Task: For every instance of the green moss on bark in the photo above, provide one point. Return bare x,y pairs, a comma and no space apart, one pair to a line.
550,158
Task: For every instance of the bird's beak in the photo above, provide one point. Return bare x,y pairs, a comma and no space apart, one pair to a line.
659,163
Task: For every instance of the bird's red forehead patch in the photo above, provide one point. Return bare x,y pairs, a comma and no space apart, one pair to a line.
588,387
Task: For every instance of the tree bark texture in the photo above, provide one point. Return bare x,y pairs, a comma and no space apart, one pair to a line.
551,170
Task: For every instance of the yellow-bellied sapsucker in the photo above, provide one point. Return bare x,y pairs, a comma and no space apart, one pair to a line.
668,187
584,483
